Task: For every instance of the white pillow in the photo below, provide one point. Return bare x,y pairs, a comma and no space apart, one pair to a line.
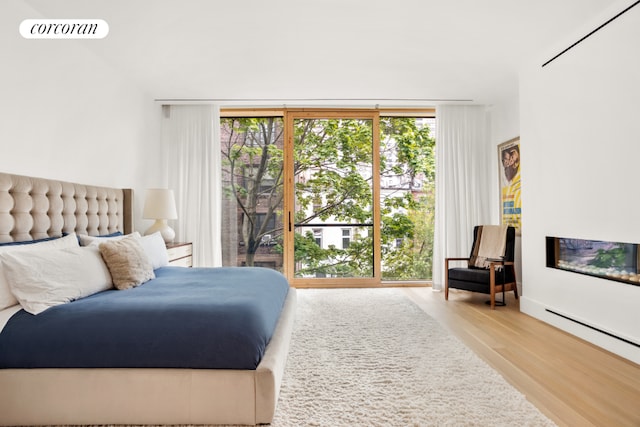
7,299
156,249
43,279
86,240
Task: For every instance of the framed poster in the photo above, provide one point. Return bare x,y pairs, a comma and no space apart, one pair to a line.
509,165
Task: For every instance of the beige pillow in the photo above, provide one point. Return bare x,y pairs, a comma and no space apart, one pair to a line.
127,262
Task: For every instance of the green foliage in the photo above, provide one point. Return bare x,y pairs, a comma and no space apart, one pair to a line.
412,259
321,262
332,151
411,144
615,257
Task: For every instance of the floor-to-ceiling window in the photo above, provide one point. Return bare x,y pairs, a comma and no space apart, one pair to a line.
407,190
330,198
252,176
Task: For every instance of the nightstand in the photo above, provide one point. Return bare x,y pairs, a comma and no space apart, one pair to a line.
180,254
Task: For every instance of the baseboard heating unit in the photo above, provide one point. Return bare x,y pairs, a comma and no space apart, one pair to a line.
612,335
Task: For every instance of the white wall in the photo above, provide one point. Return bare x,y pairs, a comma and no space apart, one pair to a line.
580,145
505,125
66,114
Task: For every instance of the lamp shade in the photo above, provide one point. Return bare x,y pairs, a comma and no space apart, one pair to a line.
159,204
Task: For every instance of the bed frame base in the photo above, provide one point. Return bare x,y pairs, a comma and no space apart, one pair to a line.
149,396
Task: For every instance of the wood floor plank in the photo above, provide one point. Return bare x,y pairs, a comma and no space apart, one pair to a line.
573,382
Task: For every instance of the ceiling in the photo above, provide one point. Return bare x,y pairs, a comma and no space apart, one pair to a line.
296,52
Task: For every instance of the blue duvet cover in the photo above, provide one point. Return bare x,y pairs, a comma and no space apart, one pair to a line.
216,318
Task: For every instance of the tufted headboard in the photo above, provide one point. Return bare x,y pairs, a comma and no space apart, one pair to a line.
35,208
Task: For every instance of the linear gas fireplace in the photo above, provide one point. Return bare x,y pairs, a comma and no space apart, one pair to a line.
608,260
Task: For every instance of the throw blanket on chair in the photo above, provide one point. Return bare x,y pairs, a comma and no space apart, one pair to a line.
489,244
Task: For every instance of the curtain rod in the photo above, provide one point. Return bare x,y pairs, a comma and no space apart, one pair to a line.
286,100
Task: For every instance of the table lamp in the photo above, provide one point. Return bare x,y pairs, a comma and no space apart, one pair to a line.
161,206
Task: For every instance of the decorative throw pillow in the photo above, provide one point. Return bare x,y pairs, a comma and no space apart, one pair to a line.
127,262
7,299
46,278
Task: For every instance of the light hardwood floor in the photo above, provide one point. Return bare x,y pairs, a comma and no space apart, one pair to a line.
571,381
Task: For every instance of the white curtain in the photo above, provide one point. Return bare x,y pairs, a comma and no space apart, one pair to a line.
463,175
191,142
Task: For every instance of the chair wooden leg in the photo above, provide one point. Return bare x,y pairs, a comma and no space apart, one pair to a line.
492,286
446,280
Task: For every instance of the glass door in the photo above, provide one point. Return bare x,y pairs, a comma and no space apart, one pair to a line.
252,196
333,221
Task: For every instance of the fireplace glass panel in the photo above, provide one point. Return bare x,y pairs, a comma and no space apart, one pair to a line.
609,260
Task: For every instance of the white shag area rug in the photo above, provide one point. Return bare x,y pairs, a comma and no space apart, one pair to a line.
371,357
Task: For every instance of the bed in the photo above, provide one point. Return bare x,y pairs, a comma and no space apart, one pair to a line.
107,388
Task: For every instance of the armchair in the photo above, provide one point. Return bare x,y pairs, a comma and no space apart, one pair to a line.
484,280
